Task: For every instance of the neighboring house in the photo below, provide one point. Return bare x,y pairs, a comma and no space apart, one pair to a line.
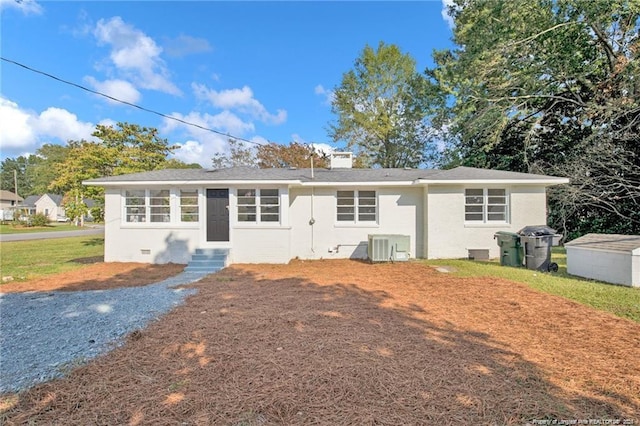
51,206
9,199
29,204
275,215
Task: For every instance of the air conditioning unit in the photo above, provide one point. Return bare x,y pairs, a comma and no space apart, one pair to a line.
388,247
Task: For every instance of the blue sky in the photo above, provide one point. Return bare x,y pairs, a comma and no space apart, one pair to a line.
262,71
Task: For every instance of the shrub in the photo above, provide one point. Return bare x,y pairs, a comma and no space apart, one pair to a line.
38,219
97,213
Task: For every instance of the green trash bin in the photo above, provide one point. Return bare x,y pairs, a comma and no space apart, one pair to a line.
510,248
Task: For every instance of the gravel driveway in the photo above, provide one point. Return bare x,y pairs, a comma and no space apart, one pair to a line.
44,335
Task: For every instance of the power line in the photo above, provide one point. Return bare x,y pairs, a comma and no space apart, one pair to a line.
127,103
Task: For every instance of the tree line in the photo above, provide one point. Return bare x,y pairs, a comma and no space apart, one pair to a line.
129,148
549,87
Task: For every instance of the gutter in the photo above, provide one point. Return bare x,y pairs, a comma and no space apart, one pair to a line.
556,181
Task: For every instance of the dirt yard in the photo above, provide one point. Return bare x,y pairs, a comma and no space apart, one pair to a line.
346,342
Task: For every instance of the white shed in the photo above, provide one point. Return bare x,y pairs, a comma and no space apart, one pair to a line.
611,258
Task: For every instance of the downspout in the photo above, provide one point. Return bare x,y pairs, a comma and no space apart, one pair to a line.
312,220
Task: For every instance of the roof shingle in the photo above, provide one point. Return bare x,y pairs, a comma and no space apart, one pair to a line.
250,174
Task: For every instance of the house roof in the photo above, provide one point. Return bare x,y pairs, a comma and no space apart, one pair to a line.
9,196
57,199
30,201
607,242
467,174
325,176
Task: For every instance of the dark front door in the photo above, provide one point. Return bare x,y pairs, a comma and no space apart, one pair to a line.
217,215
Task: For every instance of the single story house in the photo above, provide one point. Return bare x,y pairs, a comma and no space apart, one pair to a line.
275,215
51,206
29,204
611,258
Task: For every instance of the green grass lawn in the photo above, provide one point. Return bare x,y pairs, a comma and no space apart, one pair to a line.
29,259
619,300
10,228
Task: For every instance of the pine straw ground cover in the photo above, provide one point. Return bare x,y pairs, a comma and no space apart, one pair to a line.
345,342
98,276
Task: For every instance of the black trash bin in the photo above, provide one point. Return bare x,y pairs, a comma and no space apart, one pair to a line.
537,242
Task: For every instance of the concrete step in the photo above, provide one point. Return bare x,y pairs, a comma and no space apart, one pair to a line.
207,269
208,257
212,252
207,260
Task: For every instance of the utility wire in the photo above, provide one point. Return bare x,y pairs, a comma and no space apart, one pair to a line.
128,103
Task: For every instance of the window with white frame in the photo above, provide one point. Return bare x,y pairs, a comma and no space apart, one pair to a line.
189,205
147,205
159,205
258,205
356,206
135,205
484,205
269,205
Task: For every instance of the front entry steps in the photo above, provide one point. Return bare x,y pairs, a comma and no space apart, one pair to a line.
207,260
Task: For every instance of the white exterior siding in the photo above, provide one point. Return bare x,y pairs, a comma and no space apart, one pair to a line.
48,207
608,266
260,245
613,258
433,216
157,243
175,242
399,211
450,237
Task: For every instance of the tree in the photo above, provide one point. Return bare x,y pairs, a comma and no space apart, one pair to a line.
296,154
43,170
128,148
383,106
35,172
135,148
17,169
174,163
550,87
240,154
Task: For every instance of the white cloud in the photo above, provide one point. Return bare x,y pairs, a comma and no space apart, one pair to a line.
83,27
225,122
196,152
108,122
259,140
323,148
201,145
135,55
445,12
119,89
27,7
61,124
24,130
297,138
329,95
185,45
318,147
241,100
15,131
